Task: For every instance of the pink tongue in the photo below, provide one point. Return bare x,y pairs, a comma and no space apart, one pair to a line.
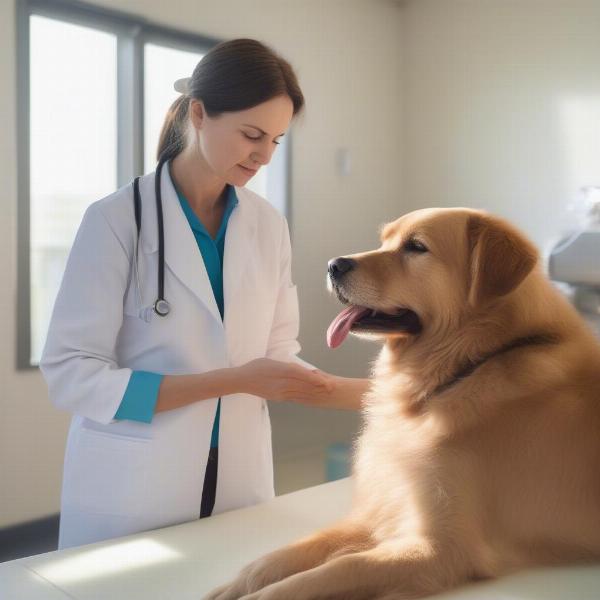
340,326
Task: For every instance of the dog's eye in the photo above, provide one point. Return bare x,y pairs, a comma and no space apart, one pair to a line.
413,245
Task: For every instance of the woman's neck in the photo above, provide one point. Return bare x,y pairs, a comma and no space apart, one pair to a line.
193,178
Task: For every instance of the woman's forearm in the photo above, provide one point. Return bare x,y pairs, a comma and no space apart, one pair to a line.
179,390
343,393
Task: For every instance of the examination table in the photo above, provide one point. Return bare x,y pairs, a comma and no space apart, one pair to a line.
184,561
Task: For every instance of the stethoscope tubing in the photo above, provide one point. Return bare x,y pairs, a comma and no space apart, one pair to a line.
161,306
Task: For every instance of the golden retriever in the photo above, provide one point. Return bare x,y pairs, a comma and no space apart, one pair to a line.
480,453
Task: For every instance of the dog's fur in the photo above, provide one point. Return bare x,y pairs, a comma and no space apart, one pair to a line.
480,453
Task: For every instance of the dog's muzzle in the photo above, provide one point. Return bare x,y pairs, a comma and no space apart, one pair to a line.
338,267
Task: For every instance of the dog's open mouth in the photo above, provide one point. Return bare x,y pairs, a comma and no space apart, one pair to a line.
361,318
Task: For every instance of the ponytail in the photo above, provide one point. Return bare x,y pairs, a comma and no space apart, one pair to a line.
172,135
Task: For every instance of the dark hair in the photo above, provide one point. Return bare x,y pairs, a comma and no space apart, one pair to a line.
232,76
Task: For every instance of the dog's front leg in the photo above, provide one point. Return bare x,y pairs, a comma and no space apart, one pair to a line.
390,570
304,554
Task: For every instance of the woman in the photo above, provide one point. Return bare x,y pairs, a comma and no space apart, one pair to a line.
170,421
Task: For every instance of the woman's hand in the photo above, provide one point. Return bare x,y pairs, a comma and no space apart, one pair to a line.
277,380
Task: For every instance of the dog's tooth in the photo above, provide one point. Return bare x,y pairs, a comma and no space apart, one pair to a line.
373,312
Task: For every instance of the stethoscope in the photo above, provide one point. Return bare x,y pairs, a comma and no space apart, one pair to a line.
161,307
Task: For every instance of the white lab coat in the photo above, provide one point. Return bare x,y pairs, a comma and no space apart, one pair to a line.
122,477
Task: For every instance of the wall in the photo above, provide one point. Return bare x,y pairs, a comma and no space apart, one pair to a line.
501,107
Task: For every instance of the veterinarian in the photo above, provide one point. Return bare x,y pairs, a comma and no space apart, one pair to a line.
177,317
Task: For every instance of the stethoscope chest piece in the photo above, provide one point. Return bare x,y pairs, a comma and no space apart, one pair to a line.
162,307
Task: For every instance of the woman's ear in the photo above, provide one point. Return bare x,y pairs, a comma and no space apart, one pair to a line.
500,258
197,113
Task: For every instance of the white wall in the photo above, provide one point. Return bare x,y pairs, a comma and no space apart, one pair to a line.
502,107
348,58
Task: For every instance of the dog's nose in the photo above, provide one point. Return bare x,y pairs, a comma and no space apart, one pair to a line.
338,266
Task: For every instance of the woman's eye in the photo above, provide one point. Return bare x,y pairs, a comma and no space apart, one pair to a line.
256,139
413,245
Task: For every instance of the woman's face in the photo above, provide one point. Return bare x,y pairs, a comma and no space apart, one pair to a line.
235,145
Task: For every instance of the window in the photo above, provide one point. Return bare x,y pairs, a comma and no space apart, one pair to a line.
94,87
72,156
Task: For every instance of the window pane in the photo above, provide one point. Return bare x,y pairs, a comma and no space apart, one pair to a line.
162,67
73,145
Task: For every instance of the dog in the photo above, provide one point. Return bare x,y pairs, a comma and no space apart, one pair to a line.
480,451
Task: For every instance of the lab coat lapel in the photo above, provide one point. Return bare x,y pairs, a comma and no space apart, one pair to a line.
182,254
239,247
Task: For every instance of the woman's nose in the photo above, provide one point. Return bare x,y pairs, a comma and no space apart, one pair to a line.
263,156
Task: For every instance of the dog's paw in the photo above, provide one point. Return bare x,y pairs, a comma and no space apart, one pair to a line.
231,591
252,578
217,593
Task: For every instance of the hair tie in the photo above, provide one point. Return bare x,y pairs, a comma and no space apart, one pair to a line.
182,85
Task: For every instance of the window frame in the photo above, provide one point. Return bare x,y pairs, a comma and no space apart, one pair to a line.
132,33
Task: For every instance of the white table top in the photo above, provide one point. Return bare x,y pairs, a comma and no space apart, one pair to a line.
185,561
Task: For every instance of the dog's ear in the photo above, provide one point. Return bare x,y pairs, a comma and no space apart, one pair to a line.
500,258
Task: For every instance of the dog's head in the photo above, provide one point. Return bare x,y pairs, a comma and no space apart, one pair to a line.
434,268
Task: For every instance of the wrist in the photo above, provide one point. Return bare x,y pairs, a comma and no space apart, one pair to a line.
231,381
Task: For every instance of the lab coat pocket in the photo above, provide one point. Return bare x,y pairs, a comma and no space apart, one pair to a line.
107,473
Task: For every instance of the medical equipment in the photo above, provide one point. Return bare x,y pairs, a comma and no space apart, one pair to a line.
161,307
574,261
